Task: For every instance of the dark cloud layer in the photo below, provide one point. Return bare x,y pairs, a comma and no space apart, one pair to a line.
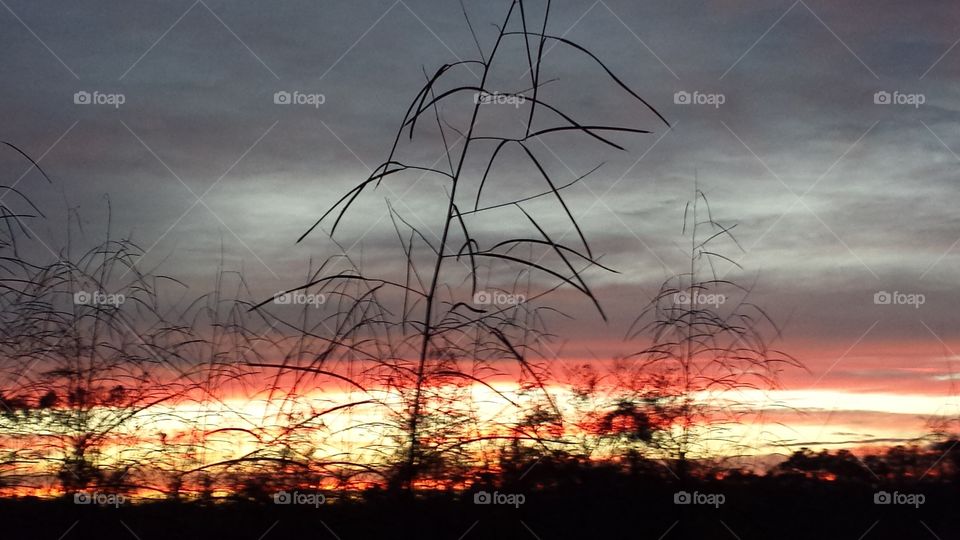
878,182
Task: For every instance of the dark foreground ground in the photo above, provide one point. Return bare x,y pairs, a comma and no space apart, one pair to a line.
762,509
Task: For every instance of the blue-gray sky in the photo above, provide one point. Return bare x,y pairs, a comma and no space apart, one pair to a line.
837,197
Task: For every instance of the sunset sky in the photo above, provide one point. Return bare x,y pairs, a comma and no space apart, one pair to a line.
827,132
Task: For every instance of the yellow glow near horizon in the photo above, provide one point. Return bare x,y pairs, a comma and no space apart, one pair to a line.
777,422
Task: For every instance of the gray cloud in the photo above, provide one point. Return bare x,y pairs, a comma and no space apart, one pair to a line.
799,99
